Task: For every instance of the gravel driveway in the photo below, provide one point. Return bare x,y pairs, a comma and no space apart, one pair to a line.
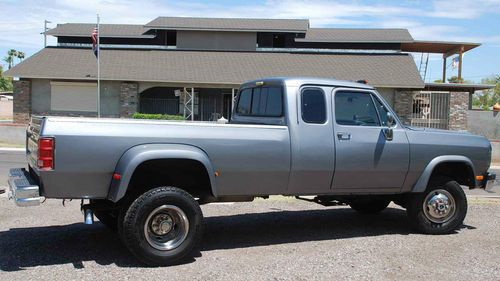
276,239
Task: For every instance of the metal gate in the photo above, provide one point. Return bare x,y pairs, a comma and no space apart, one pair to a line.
430,109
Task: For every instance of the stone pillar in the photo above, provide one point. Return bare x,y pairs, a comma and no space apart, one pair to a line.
22,101
403,105
129,99
459,104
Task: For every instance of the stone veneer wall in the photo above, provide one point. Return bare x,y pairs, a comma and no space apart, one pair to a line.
459,105
22,101
403,105
129,99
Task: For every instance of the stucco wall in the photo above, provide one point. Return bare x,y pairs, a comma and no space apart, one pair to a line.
41,97
485,123
388,94
216,40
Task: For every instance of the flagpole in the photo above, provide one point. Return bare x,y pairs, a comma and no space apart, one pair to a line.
98,71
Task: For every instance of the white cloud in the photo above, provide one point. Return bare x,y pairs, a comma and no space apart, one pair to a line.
464,9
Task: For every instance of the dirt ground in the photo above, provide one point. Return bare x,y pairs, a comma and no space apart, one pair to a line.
275,239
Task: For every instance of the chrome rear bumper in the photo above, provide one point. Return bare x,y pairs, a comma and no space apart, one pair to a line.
23,189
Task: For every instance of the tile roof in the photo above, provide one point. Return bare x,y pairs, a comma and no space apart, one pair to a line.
107,30
382,70
234,24
368,35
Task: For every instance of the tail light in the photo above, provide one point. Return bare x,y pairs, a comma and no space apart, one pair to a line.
46,153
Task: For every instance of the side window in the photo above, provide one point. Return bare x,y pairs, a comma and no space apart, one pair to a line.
313,106
382,111
244,102
355,109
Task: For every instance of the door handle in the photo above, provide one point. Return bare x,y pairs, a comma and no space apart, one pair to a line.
344,136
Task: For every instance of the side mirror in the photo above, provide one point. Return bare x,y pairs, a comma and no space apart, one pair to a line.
390,120
388,132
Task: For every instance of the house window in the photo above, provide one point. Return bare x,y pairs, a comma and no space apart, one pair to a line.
278,40
172,38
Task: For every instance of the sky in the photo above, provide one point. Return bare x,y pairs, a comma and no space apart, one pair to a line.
444,20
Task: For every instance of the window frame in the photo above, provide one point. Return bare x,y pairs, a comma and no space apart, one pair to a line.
282,111
375,98
302,108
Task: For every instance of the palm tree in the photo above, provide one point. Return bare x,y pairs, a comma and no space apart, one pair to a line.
20,56
9,59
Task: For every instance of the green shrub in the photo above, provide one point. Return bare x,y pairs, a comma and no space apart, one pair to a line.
138,115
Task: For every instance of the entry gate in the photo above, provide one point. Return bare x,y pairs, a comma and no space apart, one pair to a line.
430,109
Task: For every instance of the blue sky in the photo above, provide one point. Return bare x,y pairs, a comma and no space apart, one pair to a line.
446,20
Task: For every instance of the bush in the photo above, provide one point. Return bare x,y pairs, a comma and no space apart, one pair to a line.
138,115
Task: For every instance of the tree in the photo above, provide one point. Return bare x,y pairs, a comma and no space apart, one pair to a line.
5,83
454,79
9,59
21,55
485,99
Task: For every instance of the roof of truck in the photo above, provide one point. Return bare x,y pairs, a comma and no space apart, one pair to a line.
298,81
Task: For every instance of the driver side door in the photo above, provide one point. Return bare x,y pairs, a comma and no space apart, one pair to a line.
365,160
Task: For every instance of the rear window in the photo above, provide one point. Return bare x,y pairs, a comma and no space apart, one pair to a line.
261,101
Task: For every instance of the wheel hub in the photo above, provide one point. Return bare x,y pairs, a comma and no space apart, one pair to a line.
166,227
439,206
162,224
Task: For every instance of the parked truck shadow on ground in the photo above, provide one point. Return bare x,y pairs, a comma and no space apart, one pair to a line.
77,243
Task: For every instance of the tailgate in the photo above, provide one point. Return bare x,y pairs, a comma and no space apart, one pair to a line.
32,136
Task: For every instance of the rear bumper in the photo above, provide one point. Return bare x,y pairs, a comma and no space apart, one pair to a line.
23,189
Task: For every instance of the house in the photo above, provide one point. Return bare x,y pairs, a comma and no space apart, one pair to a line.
193,67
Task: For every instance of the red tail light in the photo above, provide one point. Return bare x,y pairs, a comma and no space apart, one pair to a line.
46,153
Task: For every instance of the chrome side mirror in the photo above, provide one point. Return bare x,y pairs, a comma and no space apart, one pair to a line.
390,120
388,132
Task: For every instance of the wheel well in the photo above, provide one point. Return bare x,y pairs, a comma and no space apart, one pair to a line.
458,171
186,174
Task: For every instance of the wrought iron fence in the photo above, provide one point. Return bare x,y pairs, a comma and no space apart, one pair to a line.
159,106
430,109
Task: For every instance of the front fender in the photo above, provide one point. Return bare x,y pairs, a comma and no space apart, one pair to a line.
136,155
423,180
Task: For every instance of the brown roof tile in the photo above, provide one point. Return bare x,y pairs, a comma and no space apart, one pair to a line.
383,70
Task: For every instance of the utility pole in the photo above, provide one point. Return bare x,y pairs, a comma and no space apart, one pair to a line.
45,28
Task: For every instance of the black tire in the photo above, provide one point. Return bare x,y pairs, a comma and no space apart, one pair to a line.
369,206
422,217
154,208
108,218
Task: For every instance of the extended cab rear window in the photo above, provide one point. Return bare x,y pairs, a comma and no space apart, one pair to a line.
261,101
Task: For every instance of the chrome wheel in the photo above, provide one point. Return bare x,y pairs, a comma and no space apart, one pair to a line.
439,206
166,227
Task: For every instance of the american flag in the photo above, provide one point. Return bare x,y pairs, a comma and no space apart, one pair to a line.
95,47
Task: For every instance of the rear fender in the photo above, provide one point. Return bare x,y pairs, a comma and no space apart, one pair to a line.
133,157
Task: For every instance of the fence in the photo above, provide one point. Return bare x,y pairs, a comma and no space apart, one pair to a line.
430,109
159,106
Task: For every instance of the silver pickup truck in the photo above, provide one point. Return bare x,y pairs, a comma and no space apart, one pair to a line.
336,142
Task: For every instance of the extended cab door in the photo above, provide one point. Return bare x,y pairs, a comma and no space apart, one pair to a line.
365,160
311,135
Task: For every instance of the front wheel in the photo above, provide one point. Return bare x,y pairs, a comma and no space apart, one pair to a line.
162,226
441,209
